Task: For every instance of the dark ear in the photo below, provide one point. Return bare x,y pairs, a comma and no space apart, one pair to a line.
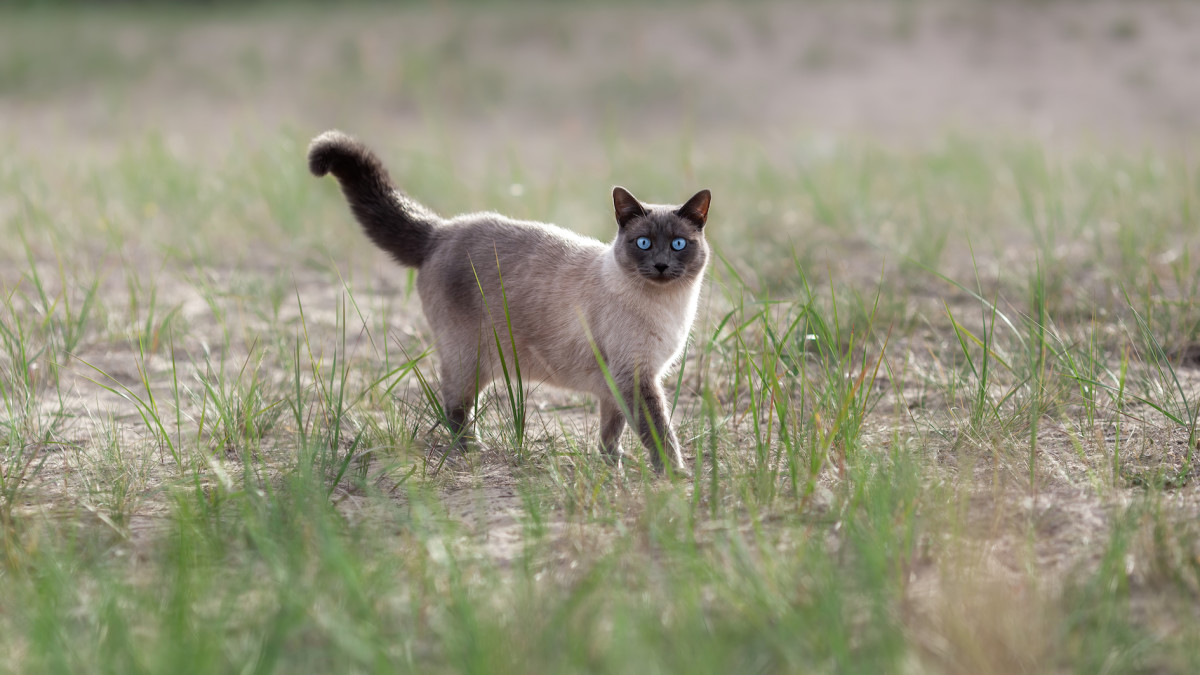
627,206
696,208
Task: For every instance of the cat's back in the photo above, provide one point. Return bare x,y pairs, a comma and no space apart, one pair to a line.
535,262
511,238
487,242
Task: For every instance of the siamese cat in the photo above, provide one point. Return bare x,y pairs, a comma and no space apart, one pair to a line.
582,313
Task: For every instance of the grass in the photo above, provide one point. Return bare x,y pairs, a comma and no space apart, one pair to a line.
258,497
939,407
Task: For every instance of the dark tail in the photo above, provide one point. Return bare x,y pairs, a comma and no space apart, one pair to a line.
396,223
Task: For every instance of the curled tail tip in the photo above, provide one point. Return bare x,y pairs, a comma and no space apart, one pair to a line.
327,148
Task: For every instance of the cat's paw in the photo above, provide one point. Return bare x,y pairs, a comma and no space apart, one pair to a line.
614,458
677,471
673,469
453,456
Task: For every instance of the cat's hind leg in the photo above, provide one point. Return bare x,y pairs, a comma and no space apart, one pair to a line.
612,423
461,382
458,414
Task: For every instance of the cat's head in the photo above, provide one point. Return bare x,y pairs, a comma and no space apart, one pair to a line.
662,244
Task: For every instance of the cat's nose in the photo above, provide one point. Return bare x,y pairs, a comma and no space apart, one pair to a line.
660,267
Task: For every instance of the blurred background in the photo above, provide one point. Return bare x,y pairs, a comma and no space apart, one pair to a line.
562,82
801,116
850,137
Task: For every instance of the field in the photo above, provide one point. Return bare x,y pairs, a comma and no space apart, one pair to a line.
940,403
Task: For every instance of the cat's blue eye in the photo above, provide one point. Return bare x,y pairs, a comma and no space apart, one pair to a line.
643,243
679,243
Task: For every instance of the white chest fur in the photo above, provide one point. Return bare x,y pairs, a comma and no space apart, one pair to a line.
643,323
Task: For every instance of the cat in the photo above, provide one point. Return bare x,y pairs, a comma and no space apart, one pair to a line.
574,303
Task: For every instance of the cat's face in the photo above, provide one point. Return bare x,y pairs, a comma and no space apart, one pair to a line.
661,244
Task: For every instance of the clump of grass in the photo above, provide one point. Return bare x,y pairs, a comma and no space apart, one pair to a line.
804,381
243,408
149,406
20,461
323,400
117,475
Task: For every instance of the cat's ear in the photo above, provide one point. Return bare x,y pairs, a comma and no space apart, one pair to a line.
627,206
696,208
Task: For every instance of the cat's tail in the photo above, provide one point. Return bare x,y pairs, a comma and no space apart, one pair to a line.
395,222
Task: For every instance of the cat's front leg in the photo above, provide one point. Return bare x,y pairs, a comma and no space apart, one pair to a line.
649,409
457,416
